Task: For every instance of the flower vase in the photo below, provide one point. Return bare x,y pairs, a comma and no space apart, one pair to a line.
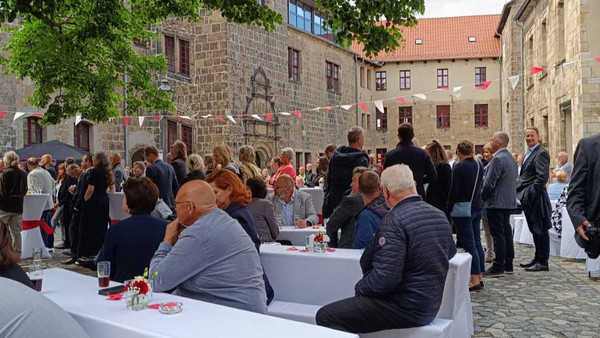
137,301
318,247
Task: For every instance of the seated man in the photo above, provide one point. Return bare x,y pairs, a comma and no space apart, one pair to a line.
404,266
372,213
207,255
129,252
290,203
344,216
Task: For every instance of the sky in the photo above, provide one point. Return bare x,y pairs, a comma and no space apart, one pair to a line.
441,8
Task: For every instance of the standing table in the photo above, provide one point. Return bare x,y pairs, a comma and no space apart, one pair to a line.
33,207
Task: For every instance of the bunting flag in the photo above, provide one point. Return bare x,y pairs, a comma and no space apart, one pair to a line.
194,115
256,117
329,108
457,91
17,115
514,80
568,64
185,117
346,106
363,106
177,117
141,120
220,118
535,70
230,118
285,113
484,85
598,59
209,115
379,105
402,100
315,109
442,89
126,120
298,114
2,114
77,119
269,117
157,118
38,114
421,96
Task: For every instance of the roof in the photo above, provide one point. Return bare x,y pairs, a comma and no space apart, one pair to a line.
504,16
445,38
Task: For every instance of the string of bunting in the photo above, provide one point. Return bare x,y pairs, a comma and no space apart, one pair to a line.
457,91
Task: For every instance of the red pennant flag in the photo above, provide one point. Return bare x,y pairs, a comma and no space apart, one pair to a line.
126,120
2,114
535,70
38,114
598,59
402,100
484,85
442,88
269,117
194,115
298,113
177,117
220,118
156,117
329,108
363,106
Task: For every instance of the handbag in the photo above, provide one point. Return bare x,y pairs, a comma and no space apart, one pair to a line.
463,209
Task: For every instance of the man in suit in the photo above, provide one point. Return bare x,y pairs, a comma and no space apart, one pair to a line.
532,194
290,203
118,170
583,201
417,159
163,175
500,196
81,176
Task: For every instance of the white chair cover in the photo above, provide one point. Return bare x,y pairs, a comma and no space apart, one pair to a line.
115,203
568,246
318,196
33,207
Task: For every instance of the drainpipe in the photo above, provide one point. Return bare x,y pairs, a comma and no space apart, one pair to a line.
501,60
356,69
522,68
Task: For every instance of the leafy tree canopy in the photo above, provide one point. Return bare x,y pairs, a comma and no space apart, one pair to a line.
76,51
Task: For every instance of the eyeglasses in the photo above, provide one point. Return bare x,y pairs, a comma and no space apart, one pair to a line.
179,202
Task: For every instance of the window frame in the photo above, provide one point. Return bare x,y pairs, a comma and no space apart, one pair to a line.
442,116
381,120
38,130
184,58
77,141
442,78
406,78
405,115
171,131
332,76
187,132
480,114
170,53
480,75
380,155
291,66
381,81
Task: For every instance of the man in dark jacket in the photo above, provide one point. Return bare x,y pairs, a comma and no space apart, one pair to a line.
535,172
64,200
415,158
13,186
163,175
118,170
372,213
339,175
83,176
404,266
345,214
178,162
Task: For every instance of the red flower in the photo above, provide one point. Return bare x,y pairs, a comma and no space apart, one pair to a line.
318,238
142,286
126,288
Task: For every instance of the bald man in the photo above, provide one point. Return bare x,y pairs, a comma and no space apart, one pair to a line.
46,163
207,255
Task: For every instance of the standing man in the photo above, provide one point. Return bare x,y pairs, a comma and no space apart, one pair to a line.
341,165
583,201
46,163
82,177
286,165
519,163
120,173
563,165
13,186
499,192
451,159
531,191
41,180
415,158
163,175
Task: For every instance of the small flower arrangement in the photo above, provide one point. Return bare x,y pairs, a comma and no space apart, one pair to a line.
320,242
139,291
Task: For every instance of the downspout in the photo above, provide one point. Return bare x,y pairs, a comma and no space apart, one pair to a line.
501,82
356,88
522,70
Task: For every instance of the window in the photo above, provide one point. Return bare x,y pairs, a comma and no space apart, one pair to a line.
332,74
293,64
171,133
34,131
170,53
405,79
184,57
472,39
368,121
544,38
306,18
479,75
380,154
381,120
418,41
380,81
442,78
82,136
362,77
481,115
187,138
405,115
443,117
320,28
368,79
363,120
479,149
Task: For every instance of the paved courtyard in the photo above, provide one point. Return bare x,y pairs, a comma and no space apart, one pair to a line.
563,302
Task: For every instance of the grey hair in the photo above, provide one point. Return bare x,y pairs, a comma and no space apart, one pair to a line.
11,157
502,137
289,152
560,153
195,162
355,133
398,177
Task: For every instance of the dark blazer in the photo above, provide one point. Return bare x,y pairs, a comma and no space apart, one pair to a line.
13,186
416,159
163,175
180,168
437,192
82,185
500,182
64,196
264,219
120,176
194,175
15,272
535,170
344,217
343,161
52,172
463,181
130,244
583,201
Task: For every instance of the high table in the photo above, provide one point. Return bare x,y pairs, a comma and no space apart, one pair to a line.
115,210
33,207
77,294
296,235
318,197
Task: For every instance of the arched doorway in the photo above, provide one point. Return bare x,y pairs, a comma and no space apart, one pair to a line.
138,155
261,158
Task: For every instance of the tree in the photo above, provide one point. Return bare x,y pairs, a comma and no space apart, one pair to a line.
77,51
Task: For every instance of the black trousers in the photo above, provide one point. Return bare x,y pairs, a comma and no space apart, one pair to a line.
361,314
74,232
541,242
65,223
501,231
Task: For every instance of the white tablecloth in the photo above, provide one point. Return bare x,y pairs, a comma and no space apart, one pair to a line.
317,198
456,304
295,235
115,211
77,294
33,207
568,246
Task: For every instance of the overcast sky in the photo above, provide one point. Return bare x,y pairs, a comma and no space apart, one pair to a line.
439,8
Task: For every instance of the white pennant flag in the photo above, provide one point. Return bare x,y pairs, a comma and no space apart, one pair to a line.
77,119
568,64
457,91
141,120
17,115
514,80
185,117
230,118
285,113
315,109
206,116
256,117
421,96
346,106
379,105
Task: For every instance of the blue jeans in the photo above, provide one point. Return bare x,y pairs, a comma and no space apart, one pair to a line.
469,234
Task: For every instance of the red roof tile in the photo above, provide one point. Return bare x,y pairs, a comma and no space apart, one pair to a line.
445,38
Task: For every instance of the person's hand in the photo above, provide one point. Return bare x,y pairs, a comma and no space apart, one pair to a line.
173,230
72,189
301,224
581,230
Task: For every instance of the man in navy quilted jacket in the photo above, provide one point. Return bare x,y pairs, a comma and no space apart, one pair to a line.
404,266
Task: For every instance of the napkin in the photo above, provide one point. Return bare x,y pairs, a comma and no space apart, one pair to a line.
316,226
116,296
304,250
292,249
330,250
153,306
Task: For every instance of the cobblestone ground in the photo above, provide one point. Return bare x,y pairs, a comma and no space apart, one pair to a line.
563,302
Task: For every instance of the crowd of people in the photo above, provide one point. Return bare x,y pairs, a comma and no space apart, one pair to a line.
200,220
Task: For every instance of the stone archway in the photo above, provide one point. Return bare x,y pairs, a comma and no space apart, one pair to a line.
262,157
138,155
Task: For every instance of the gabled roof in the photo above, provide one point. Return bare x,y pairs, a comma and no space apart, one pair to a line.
445,38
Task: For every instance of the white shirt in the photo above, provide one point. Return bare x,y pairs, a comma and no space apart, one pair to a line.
40,178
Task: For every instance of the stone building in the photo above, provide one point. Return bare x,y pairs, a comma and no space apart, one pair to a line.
564,100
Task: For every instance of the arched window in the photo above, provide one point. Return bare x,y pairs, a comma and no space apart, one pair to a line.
33,131
82,136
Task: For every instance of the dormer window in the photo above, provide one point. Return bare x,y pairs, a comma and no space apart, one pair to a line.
418,41
472,39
